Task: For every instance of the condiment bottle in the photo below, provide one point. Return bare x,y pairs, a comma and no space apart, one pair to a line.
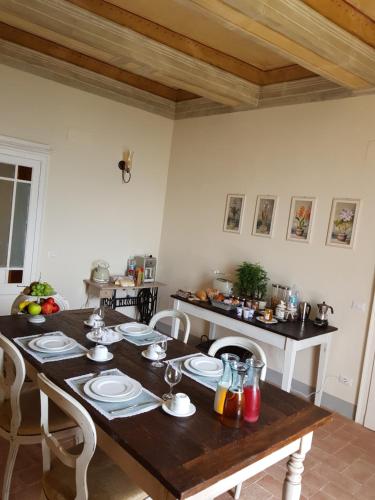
225,381
234,400
252,390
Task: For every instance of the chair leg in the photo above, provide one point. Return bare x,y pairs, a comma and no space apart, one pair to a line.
237,491
12,455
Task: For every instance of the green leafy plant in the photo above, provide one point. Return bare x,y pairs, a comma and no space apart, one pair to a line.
251,281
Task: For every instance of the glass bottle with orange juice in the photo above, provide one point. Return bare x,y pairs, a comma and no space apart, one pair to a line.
225,381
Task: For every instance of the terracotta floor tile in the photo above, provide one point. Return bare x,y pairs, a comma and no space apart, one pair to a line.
271,484
349,484
255,492
336,492
360,471
331,444
321,496
349,453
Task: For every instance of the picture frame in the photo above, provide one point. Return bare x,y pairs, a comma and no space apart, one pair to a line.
234,211
264,217
343,222
301,219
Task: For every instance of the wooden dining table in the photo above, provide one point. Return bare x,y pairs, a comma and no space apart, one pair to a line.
197,457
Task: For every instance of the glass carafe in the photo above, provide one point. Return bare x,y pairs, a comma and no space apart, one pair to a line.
252,390
234,401
225,381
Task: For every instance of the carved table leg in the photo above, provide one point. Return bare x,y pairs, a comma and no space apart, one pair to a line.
293,479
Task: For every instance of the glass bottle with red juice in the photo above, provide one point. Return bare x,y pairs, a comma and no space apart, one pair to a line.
252,390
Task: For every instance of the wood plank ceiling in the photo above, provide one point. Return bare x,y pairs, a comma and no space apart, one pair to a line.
182,58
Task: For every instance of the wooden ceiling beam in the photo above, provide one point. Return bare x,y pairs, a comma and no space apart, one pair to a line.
134,52
296,31
46,47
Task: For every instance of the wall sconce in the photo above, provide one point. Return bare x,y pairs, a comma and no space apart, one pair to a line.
125,165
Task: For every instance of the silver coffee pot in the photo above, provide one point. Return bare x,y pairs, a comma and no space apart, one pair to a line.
322,317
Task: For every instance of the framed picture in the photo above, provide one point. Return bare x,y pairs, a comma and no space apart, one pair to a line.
265,211
343,222
301,219
234,213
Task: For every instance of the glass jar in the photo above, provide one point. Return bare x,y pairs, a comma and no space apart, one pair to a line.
275,296
234,400
252,390
225,381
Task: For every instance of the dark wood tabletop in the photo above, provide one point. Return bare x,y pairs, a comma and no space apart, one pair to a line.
296,330
185,455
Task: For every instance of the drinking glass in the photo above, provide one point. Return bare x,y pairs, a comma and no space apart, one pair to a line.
172,376
163,345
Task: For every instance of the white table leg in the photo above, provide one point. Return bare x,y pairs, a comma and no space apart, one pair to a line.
212,331
293,479
289,362
322,369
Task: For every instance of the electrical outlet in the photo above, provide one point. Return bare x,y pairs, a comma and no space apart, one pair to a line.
359,306
343,379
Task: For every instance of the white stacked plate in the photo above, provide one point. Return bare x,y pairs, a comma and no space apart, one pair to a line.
133,329
52,343
111,339
112,388
204,366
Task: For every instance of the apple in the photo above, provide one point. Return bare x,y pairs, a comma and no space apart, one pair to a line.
55,308
34,308
47,308
50,300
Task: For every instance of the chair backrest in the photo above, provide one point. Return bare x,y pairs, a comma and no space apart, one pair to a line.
80,462
243,343
177,316
11,380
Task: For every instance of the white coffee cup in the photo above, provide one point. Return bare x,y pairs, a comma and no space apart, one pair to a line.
180,403
153,351
99,352
246,312
239,311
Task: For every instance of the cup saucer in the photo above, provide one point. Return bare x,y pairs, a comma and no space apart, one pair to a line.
87,323
108,358
144,354
189,413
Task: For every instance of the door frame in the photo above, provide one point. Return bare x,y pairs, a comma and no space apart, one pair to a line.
40,153
367,369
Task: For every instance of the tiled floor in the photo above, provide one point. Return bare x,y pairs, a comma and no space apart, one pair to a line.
341,465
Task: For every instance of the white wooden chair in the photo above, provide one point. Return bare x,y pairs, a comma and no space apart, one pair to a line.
177,317
20,410
81,472
253,348
244,343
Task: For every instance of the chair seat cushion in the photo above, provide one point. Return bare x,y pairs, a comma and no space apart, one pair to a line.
105,480
30,408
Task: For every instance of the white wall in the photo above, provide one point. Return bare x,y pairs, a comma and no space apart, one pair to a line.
89,213
325,150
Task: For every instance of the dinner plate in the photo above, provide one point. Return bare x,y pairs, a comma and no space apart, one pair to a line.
132,393
273,321
204,366
112,386
115,338
32,344
54,342
135,329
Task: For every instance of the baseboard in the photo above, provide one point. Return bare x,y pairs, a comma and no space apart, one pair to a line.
301,389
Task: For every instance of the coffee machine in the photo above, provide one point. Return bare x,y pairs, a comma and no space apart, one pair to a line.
322,317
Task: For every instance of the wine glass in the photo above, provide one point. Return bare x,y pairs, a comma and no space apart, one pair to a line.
172,376
163,345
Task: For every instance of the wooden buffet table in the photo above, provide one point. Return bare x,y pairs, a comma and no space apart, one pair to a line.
184,458
290,337
145,300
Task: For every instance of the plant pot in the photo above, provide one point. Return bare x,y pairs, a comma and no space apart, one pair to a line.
341,237
299,231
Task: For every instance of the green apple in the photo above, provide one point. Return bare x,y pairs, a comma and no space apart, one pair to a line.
34,308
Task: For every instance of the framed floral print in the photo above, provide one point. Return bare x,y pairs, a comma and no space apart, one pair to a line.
301,219
265,211
234,213
343,222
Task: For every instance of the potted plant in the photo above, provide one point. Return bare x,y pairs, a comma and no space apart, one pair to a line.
251,281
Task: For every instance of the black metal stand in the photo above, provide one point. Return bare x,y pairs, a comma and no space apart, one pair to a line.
145,302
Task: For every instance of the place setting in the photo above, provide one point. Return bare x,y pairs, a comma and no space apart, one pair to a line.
206,370
114,394
176,405
52,346
140,334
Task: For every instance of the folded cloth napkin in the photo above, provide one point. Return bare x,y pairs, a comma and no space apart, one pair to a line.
43,357
209,382
146,401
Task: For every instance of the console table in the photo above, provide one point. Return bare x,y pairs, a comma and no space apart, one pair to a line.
290,337
145,300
